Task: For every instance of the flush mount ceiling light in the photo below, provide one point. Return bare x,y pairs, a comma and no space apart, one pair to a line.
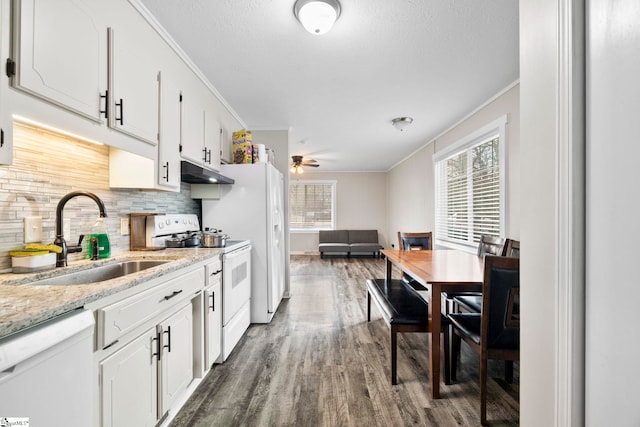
317,16
401,123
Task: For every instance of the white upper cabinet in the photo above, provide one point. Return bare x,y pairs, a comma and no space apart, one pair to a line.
134,78
192,123
169,144
200,128
94,68
60,54
212,135
6,151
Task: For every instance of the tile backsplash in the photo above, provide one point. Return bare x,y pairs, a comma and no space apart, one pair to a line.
47,166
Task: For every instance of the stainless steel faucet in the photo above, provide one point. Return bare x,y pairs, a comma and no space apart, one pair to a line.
61,258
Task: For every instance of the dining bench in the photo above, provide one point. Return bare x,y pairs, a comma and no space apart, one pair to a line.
403,310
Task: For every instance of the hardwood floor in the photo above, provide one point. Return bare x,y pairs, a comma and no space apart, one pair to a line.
320,363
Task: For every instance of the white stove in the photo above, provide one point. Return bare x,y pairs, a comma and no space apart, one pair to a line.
159,227
232,245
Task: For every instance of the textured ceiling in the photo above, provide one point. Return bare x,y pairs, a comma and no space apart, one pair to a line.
433,60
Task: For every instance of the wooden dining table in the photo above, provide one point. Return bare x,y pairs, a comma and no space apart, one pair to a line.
438,271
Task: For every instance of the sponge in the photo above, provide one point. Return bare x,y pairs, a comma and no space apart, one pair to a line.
28,252
41,247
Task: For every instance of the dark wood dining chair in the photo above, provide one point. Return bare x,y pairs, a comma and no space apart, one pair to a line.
415,241
488,245
411,242
511,248
472,303
495,332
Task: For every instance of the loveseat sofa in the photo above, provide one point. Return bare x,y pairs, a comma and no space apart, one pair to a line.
349,242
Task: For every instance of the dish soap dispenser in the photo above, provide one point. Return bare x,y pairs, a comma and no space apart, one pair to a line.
99,232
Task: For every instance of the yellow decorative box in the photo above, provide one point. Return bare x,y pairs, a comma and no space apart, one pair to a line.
242,153
242,137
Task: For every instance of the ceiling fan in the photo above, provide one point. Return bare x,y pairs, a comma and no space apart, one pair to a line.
297,164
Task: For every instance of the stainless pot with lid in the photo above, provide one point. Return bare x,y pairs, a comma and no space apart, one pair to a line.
174,241
193,241
213,238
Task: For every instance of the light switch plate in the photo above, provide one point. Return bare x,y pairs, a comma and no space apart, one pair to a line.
124,226
32,229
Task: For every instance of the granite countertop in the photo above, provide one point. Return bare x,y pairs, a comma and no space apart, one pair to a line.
23,305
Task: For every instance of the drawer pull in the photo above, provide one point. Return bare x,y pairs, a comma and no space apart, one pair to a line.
110,345
168,297
216,272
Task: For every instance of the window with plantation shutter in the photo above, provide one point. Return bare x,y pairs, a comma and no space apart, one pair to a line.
470,188
312,205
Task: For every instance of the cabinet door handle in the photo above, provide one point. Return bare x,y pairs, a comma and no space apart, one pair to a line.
166,168
168,297
106,104
213,301
121,118
204,155
1,138
157,352
168,332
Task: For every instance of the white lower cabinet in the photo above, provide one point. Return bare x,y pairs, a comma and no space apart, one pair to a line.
213,314
128,386
143,380
146,349
176,357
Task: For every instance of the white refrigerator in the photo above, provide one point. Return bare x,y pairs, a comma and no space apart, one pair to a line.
252,208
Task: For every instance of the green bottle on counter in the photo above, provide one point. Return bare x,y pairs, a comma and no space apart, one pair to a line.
99,232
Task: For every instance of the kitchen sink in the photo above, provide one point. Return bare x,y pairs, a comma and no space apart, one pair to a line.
101,273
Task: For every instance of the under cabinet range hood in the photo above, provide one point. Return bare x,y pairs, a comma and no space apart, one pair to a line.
195,174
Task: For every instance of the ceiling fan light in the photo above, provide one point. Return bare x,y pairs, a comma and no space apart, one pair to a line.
401,123
317,16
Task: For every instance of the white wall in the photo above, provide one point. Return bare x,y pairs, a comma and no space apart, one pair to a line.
411,183
540,177
360,205
410,195
613,229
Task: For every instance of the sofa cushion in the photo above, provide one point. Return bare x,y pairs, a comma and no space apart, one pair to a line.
363,236
365,247
334,247
333,236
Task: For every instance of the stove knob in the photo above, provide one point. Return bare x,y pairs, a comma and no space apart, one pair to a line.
168,221
161,225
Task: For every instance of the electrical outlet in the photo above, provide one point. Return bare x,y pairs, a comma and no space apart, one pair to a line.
32,229
124,226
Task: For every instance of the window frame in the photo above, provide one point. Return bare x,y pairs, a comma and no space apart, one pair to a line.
496,128
334,186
